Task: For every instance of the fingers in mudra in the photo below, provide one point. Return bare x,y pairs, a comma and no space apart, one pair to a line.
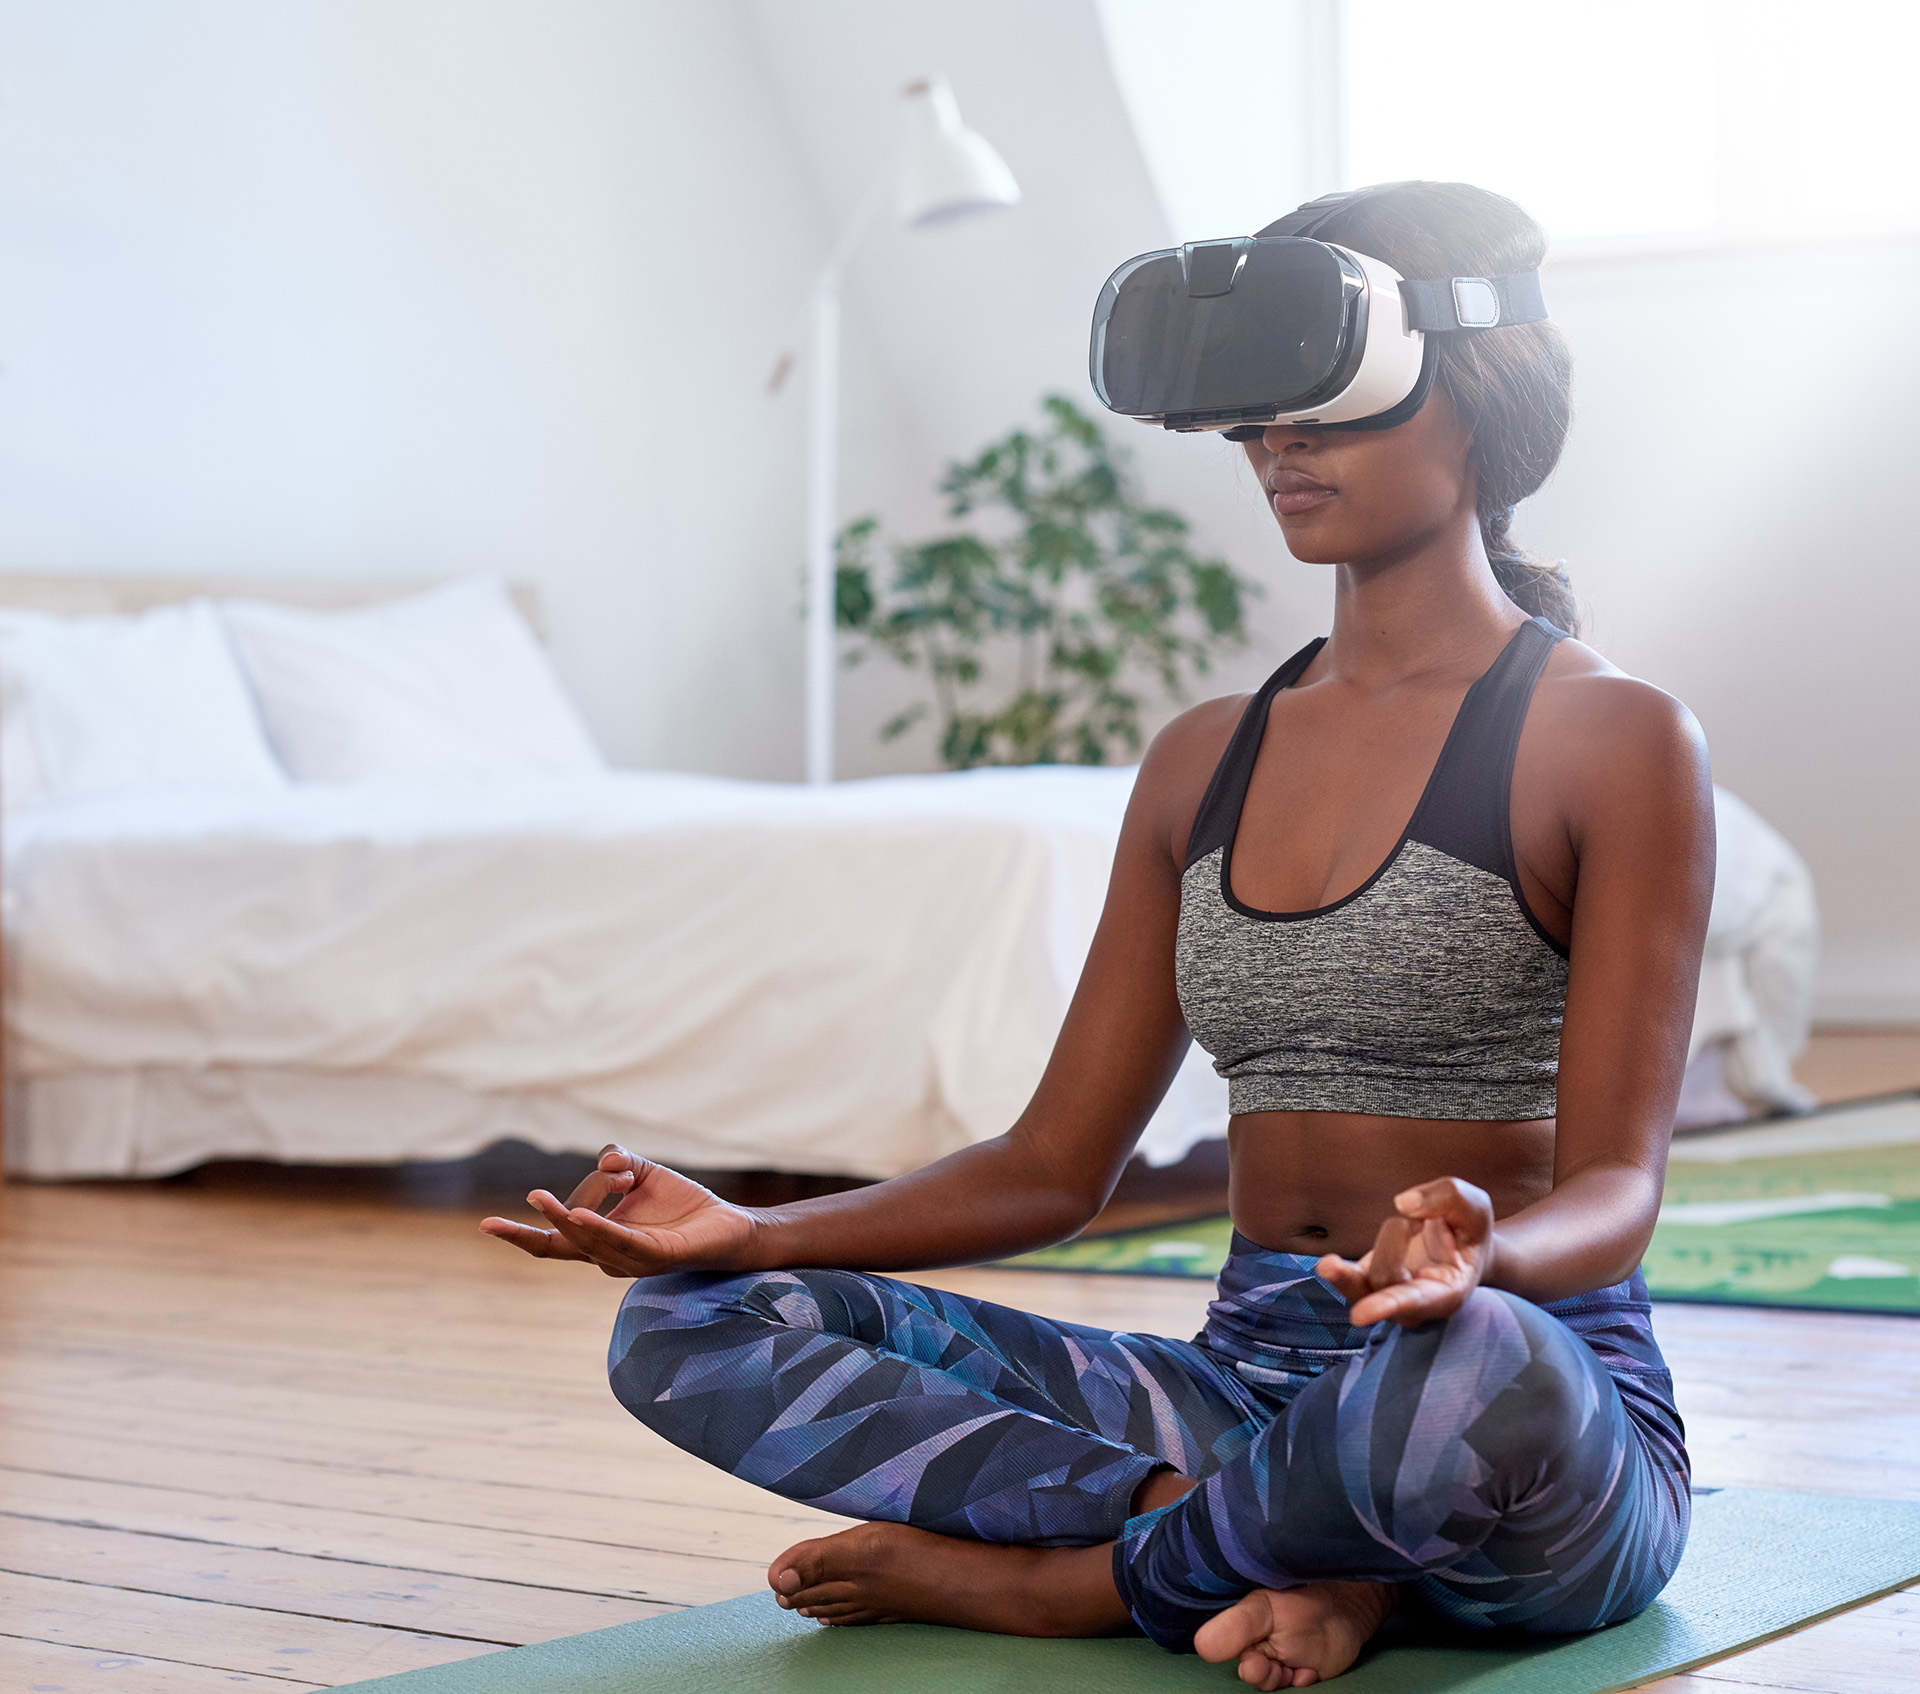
614,1176
536,1243
658,1220
617,1174
1425,1259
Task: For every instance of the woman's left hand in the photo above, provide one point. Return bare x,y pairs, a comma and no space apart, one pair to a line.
1424,1262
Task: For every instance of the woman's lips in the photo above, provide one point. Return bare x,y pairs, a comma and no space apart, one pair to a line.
1294,492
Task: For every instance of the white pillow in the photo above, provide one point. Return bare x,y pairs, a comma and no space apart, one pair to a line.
146,701
447,685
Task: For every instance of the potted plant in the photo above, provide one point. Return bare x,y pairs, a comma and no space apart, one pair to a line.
1038,630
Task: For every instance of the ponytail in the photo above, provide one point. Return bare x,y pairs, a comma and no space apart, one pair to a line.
1512,387
1540,588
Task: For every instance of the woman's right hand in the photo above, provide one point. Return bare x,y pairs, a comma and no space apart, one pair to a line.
663,1221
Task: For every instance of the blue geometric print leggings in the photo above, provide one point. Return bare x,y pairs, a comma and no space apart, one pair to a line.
1520,1466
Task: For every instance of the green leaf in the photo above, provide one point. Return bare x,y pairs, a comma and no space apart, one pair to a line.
853,597
898,725
1037,628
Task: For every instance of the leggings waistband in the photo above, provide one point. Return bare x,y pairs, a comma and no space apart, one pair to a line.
1270,1301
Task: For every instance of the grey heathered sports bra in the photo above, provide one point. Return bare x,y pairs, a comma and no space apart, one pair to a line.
1431,991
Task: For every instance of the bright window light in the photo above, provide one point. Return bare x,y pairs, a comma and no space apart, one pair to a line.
1235,104
1619,124
1621,121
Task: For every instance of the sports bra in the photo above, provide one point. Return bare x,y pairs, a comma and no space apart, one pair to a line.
1430,991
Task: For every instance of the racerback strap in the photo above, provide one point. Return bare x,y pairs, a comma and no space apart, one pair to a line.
1465,810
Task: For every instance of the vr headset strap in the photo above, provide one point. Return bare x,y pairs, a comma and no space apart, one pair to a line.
1473,302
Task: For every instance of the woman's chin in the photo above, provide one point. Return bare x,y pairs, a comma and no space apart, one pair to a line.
1310,548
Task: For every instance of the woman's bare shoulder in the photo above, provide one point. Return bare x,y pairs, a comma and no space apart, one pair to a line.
1609,728
1178,765
1200,733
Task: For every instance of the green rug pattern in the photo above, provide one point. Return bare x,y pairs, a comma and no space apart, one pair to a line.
1821,1211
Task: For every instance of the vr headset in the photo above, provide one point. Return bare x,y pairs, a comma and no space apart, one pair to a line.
1280,328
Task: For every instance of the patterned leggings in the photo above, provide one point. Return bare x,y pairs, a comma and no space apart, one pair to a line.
1522,1466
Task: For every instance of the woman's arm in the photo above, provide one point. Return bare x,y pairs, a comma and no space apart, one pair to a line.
1636,797
1040,1182
1640,819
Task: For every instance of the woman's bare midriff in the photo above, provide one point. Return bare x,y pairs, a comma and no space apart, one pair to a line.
1323,1182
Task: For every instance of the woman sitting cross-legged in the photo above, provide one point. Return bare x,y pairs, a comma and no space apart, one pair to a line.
1433,899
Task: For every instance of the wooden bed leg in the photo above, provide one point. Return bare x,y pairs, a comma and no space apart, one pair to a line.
4,1042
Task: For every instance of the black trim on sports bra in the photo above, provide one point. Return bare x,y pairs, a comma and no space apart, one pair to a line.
1465,810
1219,813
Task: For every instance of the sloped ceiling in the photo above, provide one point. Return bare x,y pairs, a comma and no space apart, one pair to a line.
973,323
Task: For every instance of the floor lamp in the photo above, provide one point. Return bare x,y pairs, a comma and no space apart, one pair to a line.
943,172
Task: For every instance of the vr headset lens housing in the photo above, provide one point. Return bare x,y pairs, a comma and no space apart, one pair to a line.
1238,334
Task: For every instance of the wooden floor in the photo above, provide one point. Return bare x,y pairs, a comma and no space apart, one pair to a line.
261,1431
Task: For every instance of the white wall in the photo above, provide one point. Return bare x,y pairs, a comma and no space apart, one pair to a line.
426,286
1733,504
1737,508
977,321
430,285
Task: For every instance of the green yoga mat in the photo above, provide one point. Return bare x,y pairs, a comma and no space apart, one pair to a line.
1757,1565
1819,1211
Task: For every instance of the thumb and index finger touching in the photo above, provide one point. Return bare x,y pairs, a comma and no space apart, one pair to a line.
617,1172
1450,1200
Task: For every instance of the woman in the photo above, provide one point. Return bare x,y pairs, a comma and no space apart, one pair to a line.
1453,1046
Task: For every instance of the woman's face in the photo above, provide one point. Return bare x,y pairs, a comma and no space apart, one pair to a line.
1347,496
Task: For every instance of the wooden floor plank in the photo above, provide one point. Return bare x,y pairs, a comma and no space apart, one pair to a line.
709,1532
1847,1064
631,1464
1873,1649
303,1586
227,1637
1708,1681
628,1475
382,1427
447,1549
43,1665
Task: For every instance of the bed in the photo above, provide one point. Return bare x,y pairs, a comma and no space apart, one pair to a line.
402,956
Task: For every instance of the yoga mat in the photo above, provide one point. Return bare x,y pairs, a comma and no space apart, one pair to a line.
1758,1565
1819,1211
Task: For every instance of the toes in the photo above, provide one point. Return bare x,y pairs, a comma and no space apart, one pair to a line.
846,1611
795,1569
821,1594
1234,1633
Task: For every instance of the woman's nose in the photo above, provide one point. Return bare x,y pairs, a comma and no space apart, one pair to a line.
1277,438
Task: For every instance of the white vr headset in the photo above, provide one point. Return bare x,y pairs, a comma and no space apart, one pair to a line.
1280,328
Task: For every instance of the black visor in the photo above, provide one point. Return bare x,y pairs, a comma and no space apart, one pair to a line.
1224,327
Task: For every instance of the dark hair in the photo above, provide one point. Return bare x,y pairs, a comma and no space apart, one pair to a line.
1512,387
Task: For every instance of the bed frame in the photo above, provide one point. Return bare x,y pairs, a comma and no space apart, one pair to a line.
77,594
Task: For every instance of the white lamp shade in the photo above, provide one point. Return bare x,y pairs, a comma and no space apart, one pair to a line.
947,171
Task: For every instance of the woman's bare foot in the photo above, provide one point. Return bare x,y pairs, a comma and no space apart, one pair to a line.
1295,1637
890,1573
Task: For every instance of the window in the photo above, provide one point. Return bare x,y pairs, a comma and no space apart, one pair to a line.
1618,123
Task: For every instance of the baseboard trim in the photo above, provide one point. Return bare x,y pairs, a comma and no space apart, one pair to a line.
1867,1001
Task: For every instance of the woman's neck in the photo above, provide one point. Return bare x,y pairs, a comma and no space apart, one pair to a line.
1433,607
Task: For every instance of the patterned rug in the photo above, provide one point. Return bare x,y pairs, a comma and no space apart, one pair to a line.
1819,1211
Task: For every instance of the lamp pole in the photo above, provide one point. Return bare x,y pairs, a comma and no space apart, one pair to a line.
823,477
943,172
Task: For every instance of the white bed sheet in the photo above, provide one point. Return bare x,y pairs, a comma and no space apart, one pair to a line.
1755,1005
729,974
733,974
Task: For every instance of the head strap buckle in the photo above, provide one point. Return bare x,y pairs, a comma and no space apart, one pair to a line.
1473,302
